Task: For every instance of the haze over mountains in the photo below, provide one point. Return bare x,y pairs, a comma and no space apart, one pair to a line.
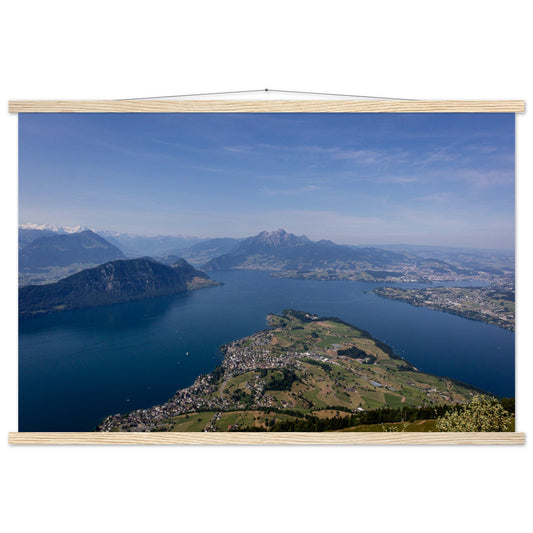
277,250
194,249
53,253
205,250
140,245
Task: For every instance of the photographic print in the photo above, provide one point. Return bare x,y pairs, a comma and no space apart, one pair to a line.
266,272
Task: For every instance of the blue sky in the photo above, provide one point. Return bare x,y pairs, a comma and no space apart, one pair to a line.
439,179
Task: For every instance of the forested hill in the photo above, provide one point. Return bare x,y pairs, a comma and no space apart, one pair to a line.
110,283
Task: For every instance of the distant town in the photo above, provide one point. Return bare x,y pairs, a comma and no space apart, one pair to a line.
491,305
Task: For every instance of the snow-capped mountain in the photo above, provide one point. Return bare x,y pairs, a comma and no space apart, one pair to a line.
54,227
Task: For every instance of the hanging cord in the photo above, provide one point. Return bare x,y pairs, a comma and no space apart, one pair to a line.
265,91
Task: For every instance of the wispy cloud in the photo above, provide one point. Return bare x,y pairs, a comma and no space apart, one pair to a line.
359,155
439,197
366,157
442,155
397,179
486,178
304,189
241,149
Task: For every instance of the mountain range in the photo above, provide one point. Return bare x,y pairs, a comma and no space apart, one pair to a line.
280,250
285,254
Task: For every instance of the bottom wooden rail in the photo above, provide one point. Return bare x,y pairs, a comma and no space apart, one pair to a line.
266,438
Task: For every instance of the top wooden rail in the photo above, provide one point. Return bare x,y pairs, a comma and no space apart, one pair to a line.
266,106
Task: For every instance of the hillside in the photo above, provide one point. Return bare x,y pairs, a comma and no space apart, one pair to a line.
28,235
303,365
65,249
110,283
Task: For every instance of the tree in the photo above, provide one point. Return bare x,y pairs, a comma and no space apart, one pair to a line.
481,414
508,404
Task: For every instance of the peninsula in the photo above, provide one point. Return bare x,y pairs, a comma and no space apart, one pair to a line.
303,367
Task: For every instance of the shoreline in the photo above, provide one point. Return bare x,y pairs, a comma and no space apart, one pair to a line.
408,296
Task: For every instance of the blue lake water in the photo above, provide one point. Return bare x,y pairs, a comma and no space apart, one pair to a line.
75,368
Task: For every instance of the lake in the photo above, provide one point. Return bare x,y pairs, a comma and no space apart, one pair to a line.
77,367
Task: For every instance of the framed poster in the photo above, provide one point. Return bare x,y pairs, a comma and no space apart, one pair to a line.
266,272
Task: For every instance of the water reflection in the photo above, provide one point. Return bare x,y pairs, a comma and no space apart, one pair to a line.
118,317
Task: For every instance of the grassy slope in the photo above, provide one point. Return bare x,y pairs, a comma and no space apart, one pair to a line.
331,386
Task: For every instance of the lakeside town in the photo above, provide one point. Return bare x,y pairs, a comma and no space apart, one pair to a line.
403,274
490,305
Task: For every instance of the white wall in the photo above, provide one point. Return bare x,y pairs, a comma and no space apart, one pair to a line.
102,49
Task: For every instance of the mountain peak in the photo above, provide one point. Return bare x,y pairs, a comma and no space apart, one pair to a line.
279,238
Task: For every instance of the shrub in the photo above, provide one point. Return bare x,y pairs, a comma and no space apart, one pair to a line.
481,414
